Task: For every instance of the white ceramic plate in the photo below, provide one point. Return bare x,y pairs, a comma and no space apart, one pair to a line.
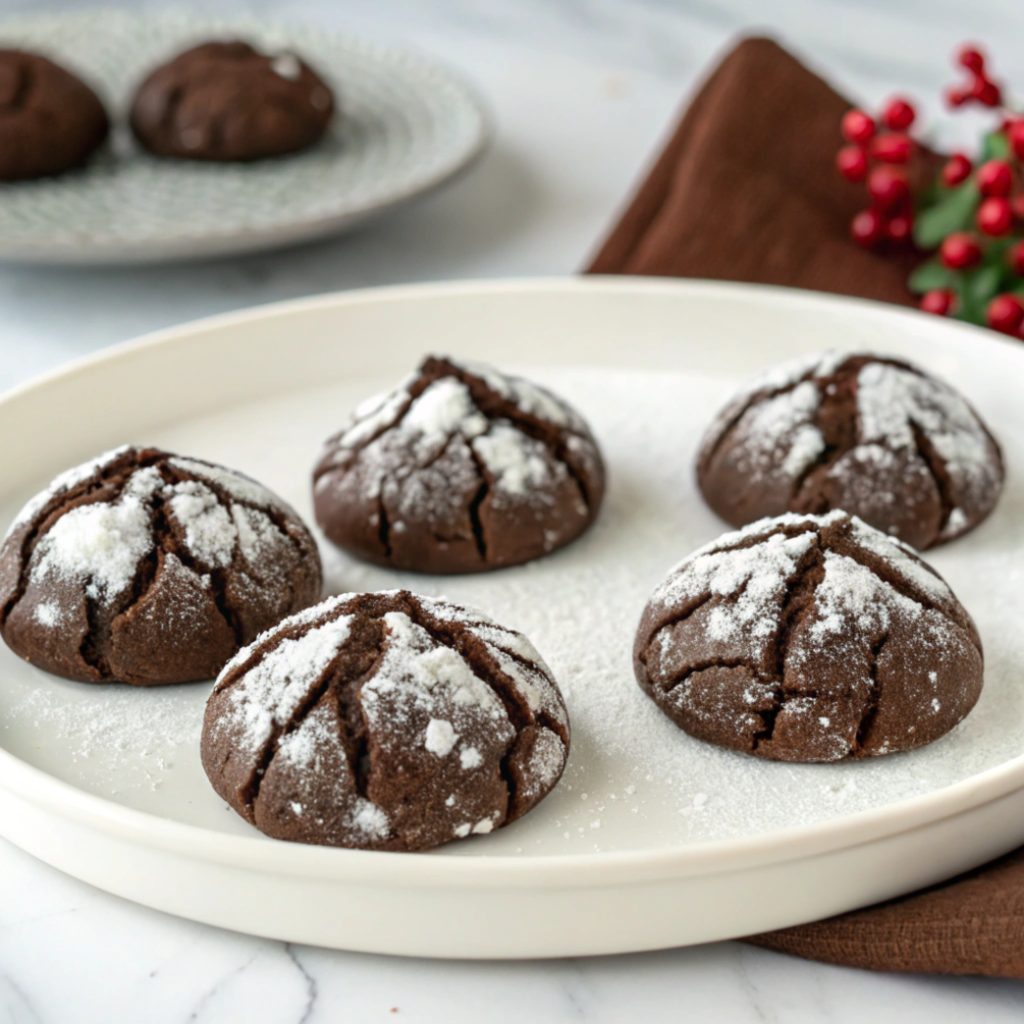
652,839
404,126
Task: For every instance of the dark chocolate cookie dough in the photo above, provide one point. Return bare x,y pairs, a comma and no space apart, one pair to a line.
50,121
809,638
460,469
227,101
385,721
145,567
871,435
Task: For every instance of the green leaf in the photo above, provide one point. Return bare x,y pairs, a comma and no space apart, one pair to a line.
995,147
983,284
930,275
953,212
975,290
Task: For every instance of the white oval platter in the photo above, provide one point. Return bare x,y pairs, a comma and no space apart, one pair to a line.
404,125
652,839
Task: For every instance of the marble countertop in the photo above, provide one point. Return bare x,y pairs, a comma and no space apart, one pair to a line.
581,91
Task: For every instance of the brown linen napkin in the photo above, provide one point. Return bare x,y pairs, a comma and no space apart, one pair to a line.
746,190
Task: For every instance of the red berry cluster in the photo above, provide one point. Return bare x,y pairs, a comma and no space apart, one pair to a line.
980,89
971,218
890,216
999,209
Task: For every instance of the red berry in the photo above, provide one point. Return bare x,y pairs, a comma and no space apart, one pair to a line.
955,96
852,162
867,228
987,93
898,115
857,127
959,251
995,178
1015,257
957,169
1016,135
970,57
898,228
1005,313
939,301
893,148
888,188
995,216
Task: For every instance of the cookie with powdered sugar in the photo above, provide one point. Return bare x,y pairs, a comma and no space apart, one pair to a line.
145,567
385,721
809,638
871,435
459,469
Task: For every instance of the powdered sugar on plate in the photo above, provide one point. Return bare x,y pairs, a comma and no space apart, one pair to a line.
645,782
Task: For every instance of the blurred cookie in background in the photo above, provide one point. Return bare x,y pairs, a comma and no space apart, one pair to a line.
226,101
50,120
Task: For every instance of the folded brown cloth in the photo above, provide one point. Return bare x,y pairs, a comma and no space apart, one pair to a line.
746,190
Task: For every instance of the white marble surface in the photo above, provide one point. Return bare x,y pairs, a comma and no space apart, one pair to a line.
581,90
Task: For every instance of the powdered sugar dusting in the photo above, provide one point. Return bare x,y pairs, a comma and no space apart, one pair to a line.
209,531
786,416
517,462
851,591
892,402
100,545
423,674
240,487
270,692
440,737
759,575
63,482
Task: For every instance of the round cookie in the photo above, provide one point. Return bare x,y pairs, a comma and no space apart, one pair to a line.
459,469
50,121
871,435
809,638
385,721
227,102
144,567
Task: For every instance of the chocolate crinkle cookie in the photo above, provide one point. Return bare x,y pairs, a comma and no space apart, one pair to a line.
809,638
50,120
227,101
459,469
385,721
871,435
144,567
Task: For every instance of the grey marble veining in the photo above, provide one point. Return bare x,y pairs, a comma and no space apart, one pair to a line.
581,90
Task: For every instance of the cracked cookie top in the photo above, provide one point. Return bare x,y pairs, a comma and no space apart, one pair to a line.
145,567
226,101
871,435
459,469
385,721
809,638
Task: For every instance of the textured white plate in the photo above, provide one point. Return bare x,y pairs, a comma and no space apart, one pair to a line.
653,838
404,126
